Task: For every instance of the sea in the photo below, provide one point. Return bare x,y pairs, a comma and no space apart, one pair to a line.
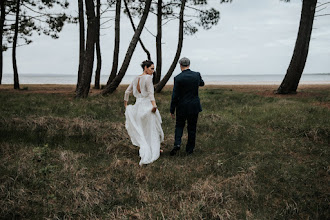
269,79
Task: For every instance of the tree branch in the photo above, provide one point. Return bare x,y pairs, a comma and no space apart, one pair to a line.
104,28
105,10
134,28
322,4
320,9
21,45
106,21
150,32
321,15
38,12
169,21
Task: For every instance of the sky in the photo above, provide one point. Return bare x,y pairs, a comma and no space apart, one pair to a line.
252,37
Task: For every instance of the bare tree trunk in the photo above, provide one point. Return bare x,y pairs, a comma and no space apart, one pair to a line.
169,73
117,42
298,61
133,26
2,22
16,81
158,71
81,40
115,83
85,83
98,48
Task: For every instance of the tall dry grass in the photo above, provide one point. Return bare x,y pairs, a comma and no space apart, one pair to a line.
257,157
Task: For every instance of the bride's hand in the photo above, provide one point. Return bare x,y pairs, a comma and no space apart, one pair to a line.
153,110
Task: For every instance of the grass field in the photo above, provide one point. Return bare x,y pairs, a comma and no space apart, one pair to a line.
258,156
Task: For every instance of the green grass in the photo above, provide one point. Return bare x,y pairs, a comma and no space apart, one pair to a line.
256,157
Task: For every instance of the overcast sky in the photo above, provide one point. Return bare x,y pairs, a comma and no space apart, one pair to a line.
252,37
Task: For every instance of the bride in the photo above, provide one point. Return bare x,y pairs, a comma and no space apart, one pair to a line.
143,121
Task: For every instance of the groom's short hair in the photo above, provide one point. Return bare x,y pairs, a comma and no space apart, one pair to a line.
184,61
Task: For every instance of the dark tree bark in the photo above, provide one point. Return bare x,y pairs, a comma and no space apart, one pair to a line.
114,69
85,83
2,21
133,26
81,40
16,81
298,61
158,71
169,73
115,83
98,48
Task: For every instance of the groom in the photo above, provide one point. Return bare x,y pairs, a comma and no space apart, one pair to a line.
185,102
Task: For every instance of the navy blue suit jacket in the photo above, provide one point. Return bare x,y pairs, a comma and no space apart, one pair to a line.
185,99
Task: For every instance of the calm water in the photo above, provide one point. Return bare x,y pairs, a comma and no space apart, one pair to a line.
209,79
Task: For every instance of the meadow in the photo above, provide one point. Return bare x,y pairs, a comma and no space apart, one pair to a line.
258,156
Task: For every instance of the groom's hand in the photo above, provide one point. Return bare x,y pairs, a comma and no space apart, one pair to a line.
172,116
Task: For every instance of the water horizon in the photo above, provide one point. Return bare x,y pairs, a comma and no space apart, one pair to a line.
225,79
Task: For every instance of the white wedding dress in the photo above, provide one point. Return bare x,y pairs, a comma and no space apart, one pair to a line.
144,126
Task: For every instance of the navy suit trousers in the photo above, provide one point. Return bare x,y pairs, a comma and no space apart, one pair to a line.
191,127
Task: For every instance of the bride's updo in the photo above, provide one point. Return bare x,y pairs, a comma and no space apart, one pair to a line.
146,63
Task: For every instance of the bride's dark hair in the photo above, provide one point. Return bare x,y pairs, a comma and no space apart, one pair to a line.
146,63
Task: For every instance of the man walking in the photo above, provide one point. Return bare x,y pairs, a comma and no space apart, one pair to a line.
185,102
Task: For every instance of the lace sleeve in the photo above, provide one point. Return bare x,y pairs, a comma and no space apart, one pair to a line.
150,88
128,91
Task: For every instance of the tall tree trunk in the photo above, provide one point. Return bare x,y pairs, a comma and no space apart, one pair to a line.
98,48
298,61
81,40
2,22
133,26
114,69
85,83
16,81
158,71
115,83
169,73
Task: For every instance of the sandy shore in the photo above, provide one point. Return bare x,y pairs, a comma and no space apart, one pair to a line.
266,90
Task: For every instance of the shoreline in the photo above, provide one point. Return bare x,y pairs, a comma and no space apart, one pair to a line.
214,84
171,84
265,89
